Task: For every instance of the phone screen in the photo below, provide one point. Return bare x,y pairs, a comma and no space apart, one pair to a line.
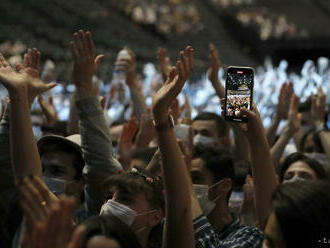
239,92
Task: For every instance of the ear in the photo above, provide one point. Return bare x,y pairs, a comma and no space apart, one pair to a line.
155,218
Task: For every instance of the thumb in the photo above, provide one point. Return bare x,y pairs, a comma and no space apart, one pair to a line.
48,86
98,61
172,75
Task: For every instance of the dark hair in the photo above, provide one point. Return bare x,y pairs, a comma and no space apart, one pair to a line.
221,124
218,161
298,156
139,182
302,211
78,161
316,140
110,227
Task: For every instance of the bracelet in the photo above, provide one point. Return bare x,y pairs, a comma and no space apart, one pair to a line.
165,126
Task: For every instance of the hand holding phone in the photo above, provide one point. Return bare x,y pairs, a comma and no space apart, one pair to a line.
239,92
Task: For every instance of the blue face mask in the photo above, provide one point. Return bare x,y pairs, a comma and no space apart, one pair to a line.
55,185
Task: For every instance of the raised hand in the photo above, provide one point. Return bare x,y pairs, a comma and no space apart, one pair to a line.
214,64
284,100
85,63
31,63
56,231
294,118
48,108
173,85
23,83
318,108
164,63
128,65
126,141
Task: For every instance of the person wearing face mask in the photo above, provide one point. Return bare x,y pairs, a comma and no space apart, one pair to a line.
138,201
299,167
212,173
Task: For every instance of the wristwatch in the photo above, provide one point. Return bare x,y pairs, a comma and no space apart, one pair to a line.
165,126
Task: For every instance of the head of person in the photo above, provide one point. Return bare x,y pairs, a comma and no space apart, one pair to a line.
210,128
212,173
108,232
138,200
298,166
62,164
300,215
310,142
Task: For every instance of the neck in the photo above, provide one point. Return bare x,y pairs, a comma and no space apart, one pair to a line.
220,216
143,237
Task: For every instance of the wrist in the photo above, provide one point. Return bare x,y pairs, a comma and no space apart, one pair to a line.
164,124
84,92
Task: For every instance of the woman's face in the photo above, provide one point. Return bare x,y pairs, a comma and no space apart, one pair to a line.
299,169
273,233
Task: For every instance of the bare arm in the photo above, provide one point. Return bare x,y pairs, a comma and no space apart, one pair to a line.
281,111
178,225
263,171
23,87
294,121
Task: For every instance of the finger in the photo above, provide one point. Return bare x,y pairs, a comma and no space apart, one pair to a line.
19,67
37,61
83,44
29,212
53,225
47,87
42,188
191,58
25,61
98,61
78,43
28,58
90,42
74,50
1,60
172,75
182,71
4,62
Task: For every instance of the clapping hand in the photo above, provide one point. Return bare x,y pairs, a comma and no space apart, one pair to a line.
85,63
173,85
24,83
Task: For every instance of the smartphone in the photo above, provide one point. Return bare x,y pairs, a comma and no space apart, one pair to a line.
239,92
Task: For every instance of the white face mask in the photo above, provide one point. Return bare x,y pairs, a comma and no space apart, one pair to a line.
121,211
55,185
201,139
202,193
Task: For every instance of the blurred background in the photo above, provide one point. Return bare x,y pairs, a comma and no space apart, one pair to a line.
282,40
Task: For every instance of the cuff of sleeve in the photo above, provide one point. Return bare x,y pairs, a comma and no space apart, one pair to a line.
89,106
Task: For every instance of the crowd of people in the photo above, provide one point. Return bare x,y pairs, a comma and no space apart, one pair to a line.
235,103
174,16
140,167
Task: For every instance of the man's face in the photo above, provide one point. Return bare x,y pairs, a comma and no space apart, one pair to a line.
59,164
206,128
